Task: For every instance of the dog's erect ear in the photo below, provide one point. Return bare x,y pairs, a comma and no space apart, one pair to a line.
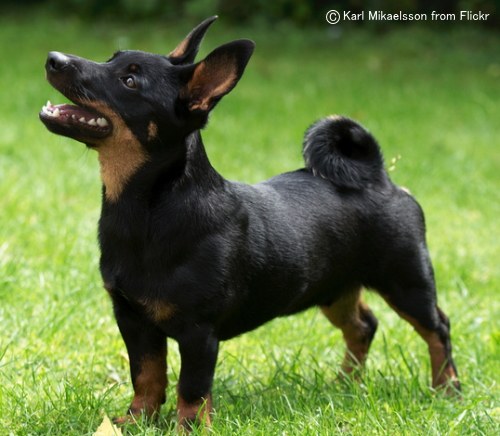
216,75
187,50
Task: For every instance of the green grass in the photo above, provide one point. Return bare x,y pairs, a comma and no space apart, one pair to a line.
431,98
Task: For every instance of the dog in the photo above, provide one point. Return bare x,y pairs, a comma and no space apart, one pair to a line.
189,255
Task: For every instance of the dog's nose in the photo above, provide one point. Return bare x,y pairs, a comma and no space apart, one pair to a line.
56,61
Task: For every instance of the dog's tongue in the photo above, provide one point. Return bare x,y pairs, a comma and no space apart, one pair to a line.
75,113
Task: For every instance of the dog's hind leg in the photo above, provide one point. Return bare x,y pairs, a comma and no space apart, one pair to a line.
418,306
409,288
358,324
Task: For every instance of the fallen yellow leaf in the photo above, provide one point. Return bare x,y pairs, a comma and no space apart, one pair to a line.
107,428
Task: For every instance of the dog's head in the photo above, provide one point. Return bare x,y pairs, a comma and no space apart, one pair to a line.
138,103
146,92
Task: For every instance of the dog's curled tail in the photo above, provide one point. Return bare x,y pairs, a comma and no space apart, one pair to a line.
340,150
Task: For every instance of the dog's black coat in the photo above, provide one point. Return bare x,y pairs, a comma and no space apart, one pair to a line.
226,257
231,256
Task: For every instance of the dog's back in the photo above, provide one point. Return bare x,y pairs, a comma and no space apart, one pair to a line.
315,234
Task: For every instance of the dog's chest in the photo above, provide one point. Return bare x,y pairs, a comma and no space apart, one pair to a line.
163,271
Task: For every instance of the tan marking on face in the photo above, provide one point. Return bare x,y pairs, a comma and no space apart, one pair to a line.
120,154
152,130
199,411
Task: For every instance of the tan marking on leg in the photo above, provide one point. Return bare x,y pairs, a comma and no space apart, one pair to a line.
346,314
442,370
120,154
197,412
149,388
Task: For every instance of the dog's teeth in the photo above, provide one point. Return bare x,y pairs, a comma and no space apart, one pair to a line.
49,104
82,120
56,112
92,122
73,116
101,122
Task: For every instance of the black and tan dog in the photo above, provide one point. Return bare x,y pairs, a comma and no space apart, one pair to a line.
191,256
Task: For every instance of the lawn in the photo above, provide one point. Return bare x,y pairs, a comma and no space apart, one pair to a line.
432,100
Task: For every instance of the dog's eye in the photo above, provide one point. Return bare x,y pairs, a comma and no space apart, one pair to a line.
129,82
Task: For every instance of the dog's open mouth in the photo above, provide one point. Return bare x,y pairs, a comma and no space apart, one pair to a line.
75,121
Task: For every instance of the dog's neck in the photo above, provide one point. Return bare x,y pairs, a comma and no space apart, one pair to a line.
119,162
120,155
130,171
198,167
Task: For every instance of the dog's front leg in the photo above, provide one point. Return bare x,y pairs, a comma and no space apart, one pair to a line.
147,351
198,349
